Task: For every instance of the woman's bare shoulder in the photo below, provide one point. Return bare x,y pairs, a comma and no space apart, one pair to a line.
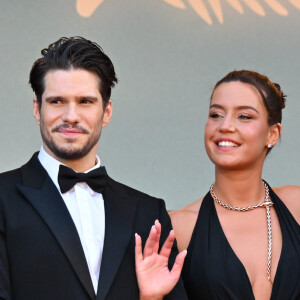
290,196
187,211
183,222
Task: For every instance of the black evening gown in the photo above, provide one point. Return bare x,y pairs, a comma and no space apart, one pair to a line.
213,271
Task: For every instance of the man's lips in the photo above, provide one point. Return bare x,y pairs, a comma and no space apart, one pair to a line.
66,130
70,131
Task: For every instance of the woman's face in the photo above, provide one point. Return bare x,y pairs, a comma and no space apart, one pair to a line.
237,132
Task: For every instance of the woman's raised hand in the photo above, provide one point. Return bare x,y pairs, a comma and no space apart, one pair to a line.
154,277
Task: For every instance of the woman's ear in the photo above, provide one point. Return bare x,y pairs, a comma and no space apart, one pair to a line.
274,135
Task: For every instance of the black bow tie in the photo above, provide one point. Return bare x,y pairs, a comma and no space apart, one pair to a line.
95,179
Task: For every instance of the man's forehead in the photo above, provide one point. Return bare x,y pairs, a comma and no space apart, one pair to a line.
71,83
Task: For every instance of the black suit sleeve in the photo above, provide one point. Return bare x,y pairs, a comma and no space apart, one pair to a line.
5,288
178,293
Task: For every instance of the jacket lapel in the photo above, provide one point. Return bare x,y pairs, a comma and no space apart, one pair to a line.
41,192
119,220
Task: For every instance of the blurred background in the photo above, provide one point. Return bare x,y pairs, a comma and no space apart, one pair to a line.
168,54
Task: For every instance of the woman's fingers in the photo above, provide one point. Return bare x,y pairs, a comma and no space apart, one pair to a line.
138,249
150,243
158,232
168,244
178,265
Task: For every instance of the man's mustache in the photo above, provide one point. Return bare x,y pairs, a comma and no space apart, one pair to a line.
68,126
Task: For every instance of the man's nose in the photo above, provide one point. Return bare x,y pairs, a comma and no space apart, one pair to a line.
71,114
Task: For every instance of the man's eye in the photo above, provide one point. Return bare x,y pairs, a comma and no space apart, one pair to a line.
55,102
86,101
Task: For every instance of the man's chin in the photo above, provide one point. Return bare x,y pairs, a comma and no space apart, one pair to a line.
68,153
71,149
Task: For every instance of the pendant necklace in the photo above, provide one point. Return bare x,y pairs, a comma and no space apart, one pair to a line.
267,204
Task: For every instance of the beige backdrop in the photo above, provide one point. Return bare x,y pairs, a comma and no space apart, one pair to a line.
168,54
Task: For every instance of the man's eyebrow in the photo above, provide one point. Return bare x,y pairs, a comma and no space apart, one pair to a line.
59,98
237,107
53,98
87,98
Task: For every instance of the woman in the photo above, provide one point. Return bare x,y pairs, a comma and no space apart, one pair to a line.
243,237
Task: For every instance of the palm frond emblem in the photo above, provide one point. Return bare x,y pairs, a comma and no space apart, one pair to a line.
201,7
86,8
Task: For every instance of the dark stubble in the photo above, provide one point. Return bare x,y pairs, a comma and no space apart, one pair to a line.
69,151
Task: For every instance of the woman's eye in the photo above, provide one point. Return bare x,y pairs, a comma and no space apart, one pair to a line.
214,115
245,117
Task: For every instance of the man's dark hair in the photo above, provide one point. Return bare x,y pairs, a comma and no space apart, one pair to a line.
73,53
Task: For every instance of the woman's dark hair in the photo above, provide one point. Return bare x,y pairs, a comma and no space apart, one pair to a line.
271,93
77,53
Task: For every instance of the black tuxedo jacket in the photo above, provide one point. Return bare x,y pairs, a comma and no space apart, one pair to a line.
41,257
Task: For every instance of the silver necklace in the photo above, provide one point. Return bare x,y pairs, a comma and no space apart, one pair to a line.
267,203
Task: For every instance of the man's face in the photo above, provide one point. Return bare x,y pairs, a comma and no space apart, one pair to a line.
71,115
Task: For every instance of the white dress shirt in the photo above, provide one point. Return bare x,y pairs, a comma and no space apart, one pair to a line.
86,208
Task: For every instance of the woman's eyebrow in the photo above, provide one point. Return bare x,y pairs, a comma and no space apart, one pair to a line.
237,108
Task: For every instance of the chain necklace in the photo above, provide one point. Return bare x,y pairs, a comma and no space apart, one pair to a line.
267,203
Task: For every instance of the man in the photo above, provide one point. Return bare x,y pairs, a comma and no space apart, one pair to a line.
66,228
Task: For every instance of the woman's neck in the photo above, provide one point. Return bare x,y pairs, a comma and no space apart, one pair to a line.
239,188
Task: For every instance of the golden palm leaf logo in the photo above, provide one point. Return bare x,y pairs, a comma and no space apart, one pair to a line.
86,8
201,8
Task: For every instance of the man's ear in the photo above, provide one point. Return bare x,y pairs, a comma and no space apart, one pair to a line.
274,134
107,113
36,110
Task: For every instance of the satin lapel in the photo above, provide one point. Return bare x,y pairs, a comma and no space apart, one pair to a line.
41,192
119,220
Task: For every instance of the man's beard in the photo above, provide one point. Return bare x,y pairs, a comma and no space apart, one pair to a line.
68,151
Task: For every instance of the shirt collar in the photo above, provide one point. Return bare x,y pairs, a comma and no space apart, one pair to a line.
51,165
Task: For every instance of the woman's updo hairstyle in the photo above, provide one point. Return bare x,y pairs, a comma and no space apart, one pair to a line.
271,93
